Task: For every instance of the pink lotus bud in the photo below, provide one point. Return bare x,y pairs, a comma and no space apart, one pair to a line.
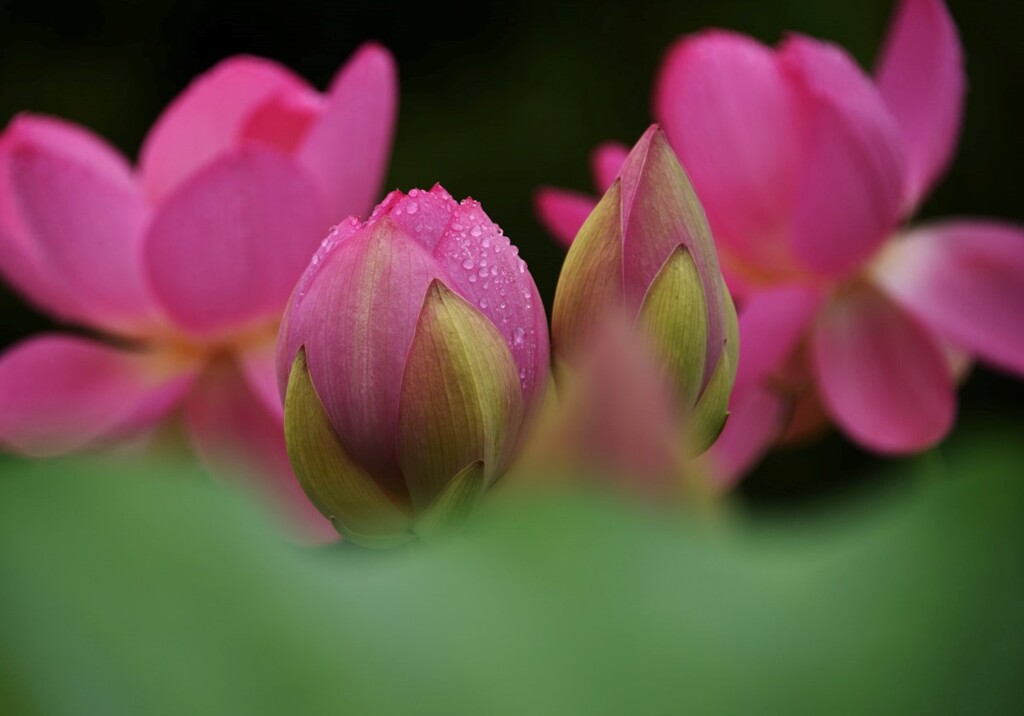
646,248
412,352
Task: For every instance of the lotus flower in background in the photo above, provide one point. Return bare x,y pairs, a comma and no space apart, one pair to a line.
807,169
183,265
645,251
413,353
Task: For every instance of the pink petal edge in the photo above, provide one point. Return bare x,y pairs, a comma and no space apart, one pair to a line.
61,393
208,118
882,376
921,76
965,279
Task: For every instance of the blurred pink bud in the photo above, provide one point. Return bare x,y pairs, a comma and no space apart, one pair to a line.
646,250
412,353
185,262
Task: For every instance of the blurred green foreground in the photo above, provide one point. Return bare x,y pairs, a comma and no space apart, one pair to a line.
167,595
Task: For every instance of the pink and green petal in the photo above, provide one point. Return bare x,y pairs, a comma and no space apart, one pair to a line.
920,74
63,393
346,150
882,376
849,194
372,286
965,279
461,400
225,250
660,212
484,267
210,118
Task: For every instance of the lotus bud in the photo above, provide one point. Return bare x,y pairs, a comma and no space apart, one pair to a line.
646,249
411,356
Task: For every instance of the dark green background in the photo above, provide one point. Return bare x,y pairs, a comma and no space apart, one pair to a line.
499,98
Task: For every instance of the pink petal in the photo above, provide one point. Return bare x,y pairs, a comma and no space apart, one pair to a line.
851,184
965,279
732,118
563,212
882,376
605,163
258,364
757,417
772,324
616,419
208,118
346,151
423,215
485,269
225,250
372,285
70,224
63,393
283,121
240,440
921,77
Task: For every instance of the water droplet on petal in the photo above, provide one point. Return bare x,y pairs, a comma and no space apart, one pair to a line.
467,264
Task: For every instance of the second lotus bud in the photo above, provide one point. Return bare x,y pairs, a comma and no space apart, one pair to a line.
646,248
413,351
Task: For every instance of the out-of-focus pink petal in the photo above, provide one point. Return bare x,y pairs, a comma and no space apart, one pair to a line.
63,393
882,376
850,193
346,150
239,440
732,118
208,118
372,287
70,225
485,269
757,417
616,419
283,120
225,250
258,364
772,323
563,212
921,77
605,163
965,279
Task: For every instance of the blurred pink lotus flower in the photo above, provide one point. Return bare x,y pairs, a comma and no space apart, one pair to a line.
807,169
413,352
183,265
